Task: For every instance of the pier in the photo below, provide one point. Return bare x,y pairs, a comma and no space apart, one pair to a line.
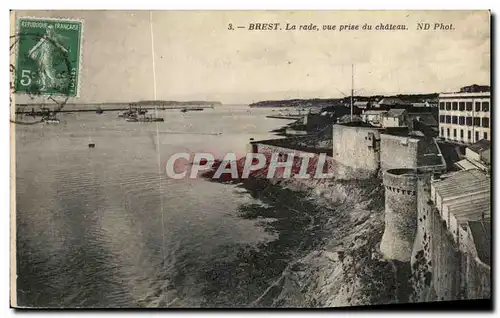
291,117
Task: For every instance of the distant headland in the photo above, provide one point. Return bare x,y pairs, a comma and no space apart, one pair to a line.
408,98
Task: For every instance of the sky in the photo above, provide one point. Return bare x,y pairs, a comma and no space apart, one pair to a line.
196,57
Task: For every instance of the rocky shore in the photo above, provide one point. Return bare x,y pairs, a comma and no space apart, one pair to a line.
326,253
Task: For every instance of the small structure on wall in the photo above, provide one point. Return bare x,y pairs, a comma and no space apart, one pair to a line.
396,117
373,116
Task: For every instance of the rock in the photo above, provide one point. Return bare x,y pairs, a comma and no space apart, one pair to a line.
332,256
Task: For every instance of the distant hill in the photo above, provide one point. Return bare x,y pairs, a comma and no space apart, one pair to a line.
315,102
296,102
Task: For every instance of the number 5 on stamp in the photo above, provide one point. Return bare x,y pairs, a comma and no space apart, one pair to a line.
48,56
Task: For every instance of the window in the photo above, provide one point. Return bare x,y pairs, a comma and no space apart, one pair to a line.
441,105
461,120
448,132
468,106
469,134
478,106
454,120
442,132
454,105
486,106
477,121
455,133
448,119
485,135
461,134
461,106
486,122
477,136
448,105
468,121
441,118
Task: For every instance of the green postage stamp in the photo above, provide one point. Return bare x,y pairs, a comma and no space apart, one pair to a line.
48,56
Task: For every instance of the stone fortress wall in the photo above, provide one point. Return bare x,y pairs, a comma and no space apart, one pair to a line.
414,230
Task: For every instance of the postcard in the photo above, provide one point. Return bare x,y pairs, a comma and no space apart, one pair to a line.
250,159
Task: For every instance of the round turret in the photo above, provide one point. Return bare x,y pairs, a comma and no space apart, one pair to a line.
400,213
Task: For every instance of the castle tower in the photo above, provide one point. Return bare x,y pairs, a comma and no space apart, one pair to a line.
251,147
400,213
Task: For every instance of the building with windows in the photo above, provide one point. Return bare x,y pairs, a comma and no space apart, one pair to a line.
464,117
373,116
395,117
463,200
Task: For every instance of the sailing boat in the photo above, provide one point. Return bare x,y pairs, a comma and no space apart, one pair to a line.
151,118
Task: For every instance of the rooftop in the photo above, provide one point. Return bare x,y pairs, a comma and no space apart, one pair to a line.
429,153
486,156
419,104
395,112
374,112
481,233
450,153
474,88
424,118
392,101
464,94
397,131
462,183
472,210
480,146
466,164
315,109
360,103
346,121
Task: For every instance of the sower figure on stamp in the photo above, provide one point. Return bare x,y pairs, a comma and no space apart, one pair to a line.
44,53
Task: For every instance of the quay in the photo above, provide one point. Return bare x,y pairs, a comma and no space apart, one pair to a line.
291,117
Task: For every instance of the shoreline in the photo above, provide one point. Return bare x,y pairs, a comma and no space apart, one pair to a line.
317,268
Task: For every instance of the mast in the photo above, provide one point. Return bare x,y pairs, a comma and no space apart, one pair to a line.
158,155
153,58
352,91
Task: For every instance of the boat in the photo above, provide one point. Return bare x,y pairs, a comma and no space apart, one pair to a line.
50,120
128,113
144,119
188,109
123,115
99,110
92,145
150,119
